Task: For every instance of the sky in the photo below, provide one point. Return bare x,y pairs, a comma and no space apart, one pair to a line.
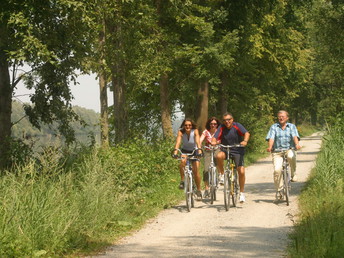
86,93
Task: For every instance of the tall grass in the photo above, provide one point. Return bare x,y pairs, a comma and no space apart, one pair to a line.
320,232
49,208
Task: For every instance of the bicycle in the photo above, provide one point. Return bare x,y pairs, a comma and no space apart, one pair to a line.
285,173
212,174
189,181
231,185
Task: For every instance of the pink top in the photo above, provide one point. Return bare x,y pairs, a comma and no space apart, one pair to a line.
207,136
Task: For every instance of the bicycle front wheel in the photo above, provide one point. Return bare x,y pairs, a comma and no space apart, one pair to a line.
226,190
212,184
234,188
188,191
286,185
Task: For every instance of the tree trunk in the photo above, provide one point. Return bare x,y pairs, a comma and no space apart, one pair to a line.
203,102
118,72
223,93
104,123
5,107
165,108
120,114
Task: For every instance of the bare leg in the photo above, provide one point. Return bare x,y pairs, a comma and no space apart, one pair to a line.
195,169
242,178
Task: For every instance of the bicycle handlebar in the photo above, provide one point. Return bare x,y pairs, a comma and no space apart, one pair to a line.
283,150
231,146
193,154
211,147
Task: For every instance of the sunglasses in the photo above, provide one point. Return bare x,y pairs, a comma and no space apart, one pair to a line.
227,120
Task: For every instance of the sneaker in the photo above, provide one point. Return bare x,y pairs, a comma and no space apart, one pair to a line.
242,198
198,195
181,185
222,179
294,178
279,195
206,194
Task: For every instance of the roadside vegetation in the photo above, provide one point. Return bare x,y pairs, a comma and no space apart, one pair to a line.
320,231
73,201
78,201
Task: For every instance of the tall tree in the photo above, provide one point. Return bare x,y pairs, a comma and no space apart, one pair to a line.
51,38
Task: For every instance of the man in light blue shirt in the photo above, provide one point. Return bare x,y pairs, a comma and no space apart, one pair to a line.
283,135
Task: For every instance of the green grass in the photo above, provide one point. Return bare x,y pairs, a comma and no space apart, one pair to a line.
320,231
52,209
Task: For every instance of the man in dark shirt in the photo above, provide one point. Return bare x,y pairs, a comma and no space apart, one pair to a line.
231,133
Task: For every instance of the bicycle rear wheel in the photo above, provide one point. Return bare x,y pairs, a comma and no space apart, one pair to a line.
234,188
286,185
226,190
188,191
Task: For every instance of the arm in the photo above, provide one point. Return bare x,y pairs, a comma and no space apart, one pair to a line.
246,138
202,138
297,143
217,136
178,141
270,144
197,139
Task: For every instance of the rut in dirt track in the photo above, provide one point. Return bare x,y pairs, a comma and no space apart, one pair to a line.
257,228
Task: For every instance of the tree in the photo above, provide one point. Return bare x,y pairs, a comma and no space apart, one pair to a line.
51,38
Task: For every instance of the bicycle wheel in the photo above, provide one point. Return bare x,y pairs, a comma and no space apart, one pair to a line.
212,184
286,185
188,191
234,187
226,190
193,193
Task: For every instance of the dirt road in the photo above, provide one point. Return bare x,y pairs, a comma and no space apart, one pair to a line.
257,228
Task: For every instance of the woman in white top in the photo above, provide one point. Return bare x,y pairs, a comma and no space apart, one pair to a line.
188,135
207,135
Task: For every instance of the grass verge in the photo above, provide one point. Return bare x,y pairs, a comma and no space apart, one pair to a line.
320,231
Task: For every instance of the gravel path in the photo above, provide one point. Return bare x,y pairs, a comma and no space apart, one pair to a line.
257,228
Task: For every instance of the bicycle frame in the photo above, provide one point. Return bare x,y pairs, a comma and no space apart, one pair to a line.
285,173
212,174
189,183
231,186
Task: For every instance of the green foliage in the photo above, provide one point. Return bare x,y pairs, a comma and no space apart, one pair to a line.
48,134
320,232
51,207
17,153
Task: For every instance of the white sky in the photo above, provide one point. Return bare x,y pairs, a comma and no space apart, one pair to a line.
86,93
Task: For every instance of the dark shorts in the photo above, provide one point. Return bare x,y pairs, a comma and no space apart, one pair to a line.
238,158
186,151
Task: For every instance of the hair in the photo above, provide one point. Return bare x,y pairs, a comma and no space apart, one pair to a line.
207,125
227,114
182,128
283,111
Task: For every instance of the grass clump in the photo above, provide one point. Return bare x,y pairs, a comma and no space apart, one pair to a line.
51,208
320,232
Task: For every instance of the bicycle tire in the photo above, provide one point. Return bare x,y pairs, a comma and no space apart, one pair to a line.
226,190
235,188
193,193
188,192
286,183
212,184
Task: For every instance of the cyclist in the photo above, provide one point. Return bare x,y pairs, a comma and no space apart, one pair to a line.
283,135
230,133
188,135
207,135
